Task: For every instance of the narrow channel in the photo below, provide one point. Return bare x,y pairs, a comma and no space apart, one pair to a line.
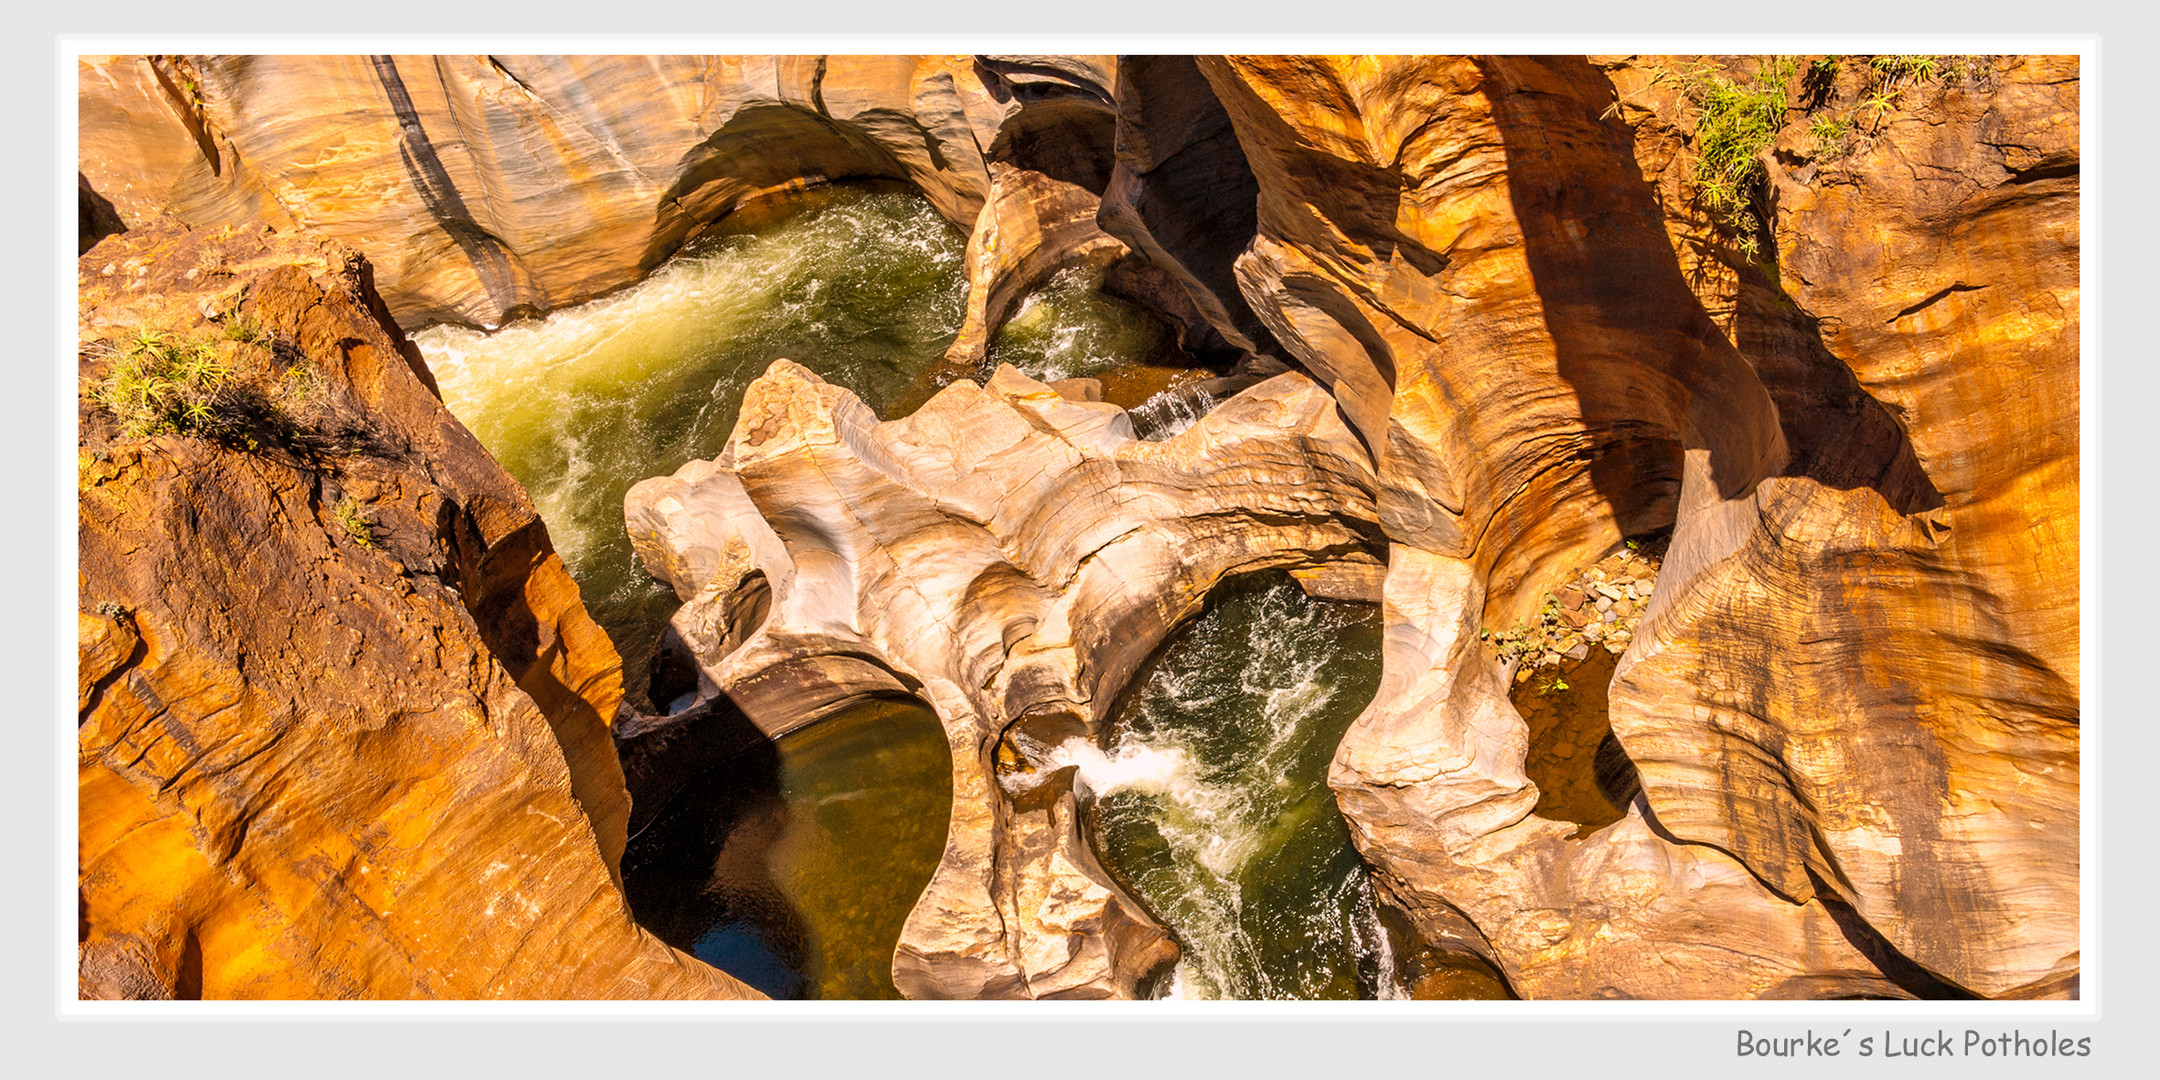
794,864
862,284
1210,800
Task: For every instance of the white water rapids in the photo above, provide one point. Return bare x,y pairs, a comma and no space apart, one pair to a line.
1210,799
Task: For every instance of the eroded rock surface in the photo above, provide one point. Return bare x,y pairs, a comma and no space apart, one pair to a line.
483,187
1852,698
1011,557
343,719
1466,251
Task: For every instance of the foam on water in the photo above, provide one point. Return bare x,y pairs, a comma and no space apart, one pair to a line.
1069,329
863,287
1210,800
1171,412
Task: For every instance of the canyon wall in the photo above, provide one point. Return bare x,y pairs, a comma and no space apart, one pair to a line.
1522,335
343,720
1846,684
482,188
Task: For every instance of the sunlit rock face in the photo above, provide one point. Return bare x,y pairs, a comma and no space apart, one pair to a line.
1480,238
482,187
1852,700
1010,557
343,724
1900,728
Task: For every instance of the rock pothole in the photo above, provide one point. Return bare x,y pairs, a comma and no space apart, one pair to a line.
1560,667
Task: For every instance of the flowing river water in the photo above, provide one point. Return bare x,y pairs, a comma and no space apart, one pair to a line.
862,285
794,864
1211,801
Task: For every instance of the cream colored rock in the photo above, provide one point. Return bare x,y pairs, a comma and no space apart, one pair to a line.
1011,557
1431,779
1032,226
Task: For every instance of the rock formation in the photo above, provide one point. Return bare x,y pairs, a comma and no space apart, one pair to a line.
1523,333
343,719
485,187
1478,233
1011,557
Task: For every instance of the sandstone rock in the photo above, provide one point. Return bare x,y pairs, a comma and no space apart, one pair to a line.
1183,195
1871,538
344,719
485,187
1853,704
1467,253
1031,226
1431,779
1010,557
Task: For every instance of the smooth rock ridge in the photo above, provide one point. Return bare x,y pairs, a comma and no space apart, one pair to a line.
1010,557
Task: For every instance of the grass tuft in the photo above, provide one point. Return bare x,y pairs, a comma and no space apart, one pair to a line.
161,384
355,520
1736,121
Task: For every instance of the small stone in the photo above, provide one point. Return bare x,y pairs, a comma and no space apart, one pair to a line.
1604,604
1611,616
1569,596
1624,608
1576,617
1611,592
1522,674
1581,650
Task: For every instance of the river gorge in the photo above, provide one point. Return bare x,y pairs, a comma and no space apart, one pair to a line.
1078,527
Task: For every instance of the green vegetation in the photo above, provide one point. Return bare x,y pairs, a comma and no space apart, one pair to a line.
1739,117
1832,135
223,383
355,520
245,330
160,384
1914,68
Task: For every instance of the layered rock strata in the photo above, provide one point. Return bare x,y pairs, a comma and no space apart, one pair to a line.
485,187
1852,699
343,719
1010,557
1479,238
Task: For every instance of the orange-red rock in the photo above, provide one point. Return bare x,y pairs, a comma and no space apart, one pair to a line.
343,718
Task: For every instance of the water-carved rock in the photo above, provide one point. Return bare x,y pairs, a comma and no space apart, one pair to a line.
1011,557
343,719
